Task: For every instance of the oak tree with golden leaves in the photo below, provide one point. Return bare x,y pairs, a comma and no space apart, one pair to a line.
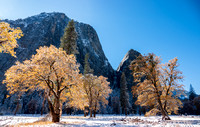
157,85
172,89
101,93
8,38
51,70
89,93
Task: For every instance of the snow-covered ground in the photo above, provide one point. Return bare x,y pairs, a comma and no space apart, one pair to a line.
103,121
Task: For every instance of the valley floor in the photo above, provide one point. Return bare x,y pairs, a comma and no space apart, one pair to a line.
101,121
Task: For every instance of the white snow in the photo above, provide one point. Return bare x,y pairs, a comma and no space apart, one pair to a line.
23,23
106,120
86,42
123,60
96,54
106,63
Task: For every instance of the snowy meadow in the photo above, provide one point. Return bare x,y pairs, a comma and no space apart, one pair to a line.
100,121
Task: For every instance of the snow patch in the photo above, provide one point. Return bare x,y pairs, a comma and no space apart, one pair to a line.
106,63
25,24
123,60
86,42
96,54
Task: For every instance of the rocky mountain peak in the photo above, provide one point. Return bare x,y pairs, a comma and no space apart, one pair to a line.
130,56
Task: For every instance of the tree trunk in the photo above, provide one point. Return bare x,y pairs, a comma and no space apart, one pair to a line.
55,117
90,112
61,109
95,109
43,105
56,114
90,105
85,113
164,113
125,110
70,111
54,110
94,113
166,117
17,107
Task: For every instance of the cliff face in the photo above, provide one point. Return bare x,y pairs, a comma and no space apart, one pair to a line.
124,67
46,29
88,42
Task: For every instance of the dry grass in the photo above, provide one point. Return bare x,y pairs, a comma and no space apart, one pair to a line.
32,124
76,117
43,123
72,123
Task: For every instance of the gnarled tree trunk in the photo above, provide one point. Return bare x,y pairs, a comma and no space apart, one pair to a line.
54,110
18,104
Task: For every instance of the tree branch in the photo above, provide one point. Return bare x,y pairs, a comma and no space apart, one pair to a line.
3,41
60,91
48,84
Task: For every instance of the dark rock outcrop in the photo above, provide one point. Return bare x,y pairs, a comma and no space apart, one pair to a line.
124,67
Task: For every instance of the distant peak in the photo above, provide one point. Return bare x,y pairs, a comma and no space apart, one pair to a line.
45,14
132,51
130,55
40,17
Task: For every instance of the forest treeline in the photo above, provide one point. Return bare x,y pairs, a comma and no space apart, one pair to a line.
55,72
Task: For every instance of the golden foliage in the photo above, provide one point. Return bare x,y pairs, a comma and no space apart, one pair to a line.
89,92
8,38
172,89
157,84
50,69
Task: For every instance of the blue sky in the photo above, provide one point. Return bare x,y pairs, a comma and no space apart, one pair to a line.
168,28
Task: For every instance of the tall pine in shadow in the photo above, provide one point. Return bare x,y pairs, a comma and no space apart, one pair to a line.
87,69
192,93
124,97
68,41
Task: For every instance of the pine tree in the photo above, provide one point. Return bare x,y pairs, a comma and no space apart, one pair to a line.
68,41
192,93
87,69
124,97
